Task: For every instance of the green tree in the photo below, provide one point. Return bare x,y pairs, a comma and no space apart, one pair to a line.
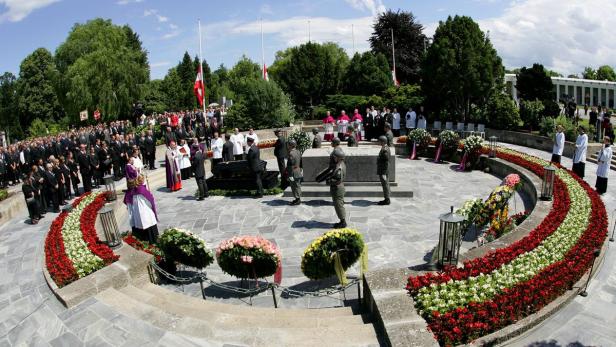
501,112
36,92
404,97
606,73
173,90
187,72
552,73
531,112
367,74
533,83
9,119
310,72
102,66
409,42
154,97
461,69
220,85
588,73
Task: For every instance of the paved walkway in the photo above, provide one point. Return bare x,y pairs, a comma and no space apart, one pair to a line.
398,235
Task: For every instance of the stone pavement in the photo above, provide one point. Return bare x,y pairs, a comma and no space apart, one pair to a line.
399,235
402,234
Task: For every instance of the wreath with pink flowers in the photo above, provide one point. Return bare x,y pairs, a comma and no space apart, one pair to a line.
248,257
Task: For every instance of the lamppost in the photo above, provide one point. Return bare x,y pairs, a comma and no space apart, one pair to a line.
492,153
547,186
450,238
110,226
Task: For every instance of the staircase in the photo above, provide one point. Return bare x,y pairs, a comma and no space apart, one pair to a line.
217,322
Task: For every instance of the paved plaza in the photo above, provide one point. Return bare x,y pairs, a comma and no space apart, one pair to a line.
399,235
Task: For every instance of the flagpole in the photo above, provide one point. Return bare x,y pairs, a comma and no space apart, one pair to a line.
201,66
393,50
353,35
262,52
309,31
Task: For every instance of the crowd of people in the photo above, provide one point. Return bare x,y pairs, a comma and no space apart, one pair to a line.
372,124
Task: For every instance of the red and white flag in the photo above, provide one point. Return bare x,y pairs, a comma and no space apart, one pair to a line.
199,87
393,76
265,76
97,114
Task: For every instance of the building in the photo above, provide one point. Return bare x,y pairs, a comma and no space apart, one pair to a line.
591,92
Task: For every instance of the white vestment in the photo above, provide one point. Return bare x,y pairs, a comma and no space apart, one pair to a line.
140,213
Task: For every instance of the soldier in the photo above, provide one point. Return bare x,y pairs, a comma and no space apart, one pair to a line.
199,170
254,162
382,168
332,160
294,172
389,135
316,141
352,139
336,187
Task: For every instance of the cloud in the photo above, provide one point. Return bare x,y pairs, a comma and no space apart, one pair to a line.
152,12
170,35
565,36
173,26
16,10
126,2
294,31
160,64
373,6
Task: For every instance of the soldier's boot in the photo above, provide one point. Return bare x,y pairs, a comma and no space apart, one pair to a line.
384,202
341,224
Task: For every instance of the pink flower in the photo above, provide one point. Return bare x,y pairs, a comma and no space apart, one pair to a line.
246,259
512,180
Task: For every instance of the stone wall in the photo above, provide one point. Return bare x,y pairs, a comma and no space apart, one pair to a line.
538,142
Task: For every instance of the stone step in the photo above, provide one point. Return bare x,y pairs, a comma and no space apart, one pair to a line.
234,332
593,159
352,191
271,320
244,310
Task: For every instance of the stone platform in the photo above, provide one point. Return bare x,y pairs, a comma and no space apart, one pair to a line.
360,163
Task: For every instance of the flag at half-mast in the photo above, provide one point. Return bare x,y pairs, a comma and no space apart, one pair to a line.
265,76
393,76
199,87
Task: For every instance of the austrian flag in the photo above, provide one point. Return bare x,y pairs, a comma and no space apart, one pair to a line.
265,76
199,87
393,77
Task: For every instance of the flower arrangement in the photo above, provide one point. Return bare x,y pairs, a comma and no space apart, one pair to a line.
470,210
512,180
72,247
248,257
449,139
184,247
498,199
317,260
472,144
421,137
266,143
499,225
510,283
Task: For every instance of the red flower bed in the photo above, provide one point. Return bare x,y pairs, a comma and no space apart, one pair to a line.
138,245
497,258
58,264
88,220
465,324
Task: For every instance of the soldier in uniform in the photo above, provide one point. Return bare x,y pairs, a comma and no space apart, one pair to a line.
389,135
352,139
280,152
294,172
316,141
332,160
382,168
336,187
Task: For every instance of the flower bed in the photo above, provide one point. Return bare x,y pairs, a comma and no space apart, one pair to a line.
493,291
72,248
266,143
248,257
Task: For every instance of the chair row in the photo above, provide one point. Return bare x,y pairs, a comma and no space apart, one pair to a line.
459,128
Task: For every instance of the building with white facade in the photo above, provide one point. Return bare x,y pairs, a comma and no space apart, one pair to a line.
591,92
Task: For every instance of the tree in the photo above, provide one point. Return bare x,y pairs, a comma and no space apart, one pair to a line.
553,73
36,93
154,97
533,83
259,103
501,112
606,73
310,72
173,90
409,42
102,66
367,74
9,119
461,68
187,72
589,73
531,112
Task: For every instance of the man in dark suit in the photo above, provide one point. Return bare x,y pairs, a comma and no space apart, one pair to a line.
51,187
227,149
149,146
170,136
316,141
254,162
280,151
199,170
83,159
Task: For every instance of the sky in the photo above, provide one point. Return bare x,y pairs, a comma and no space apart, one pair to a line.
564,35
